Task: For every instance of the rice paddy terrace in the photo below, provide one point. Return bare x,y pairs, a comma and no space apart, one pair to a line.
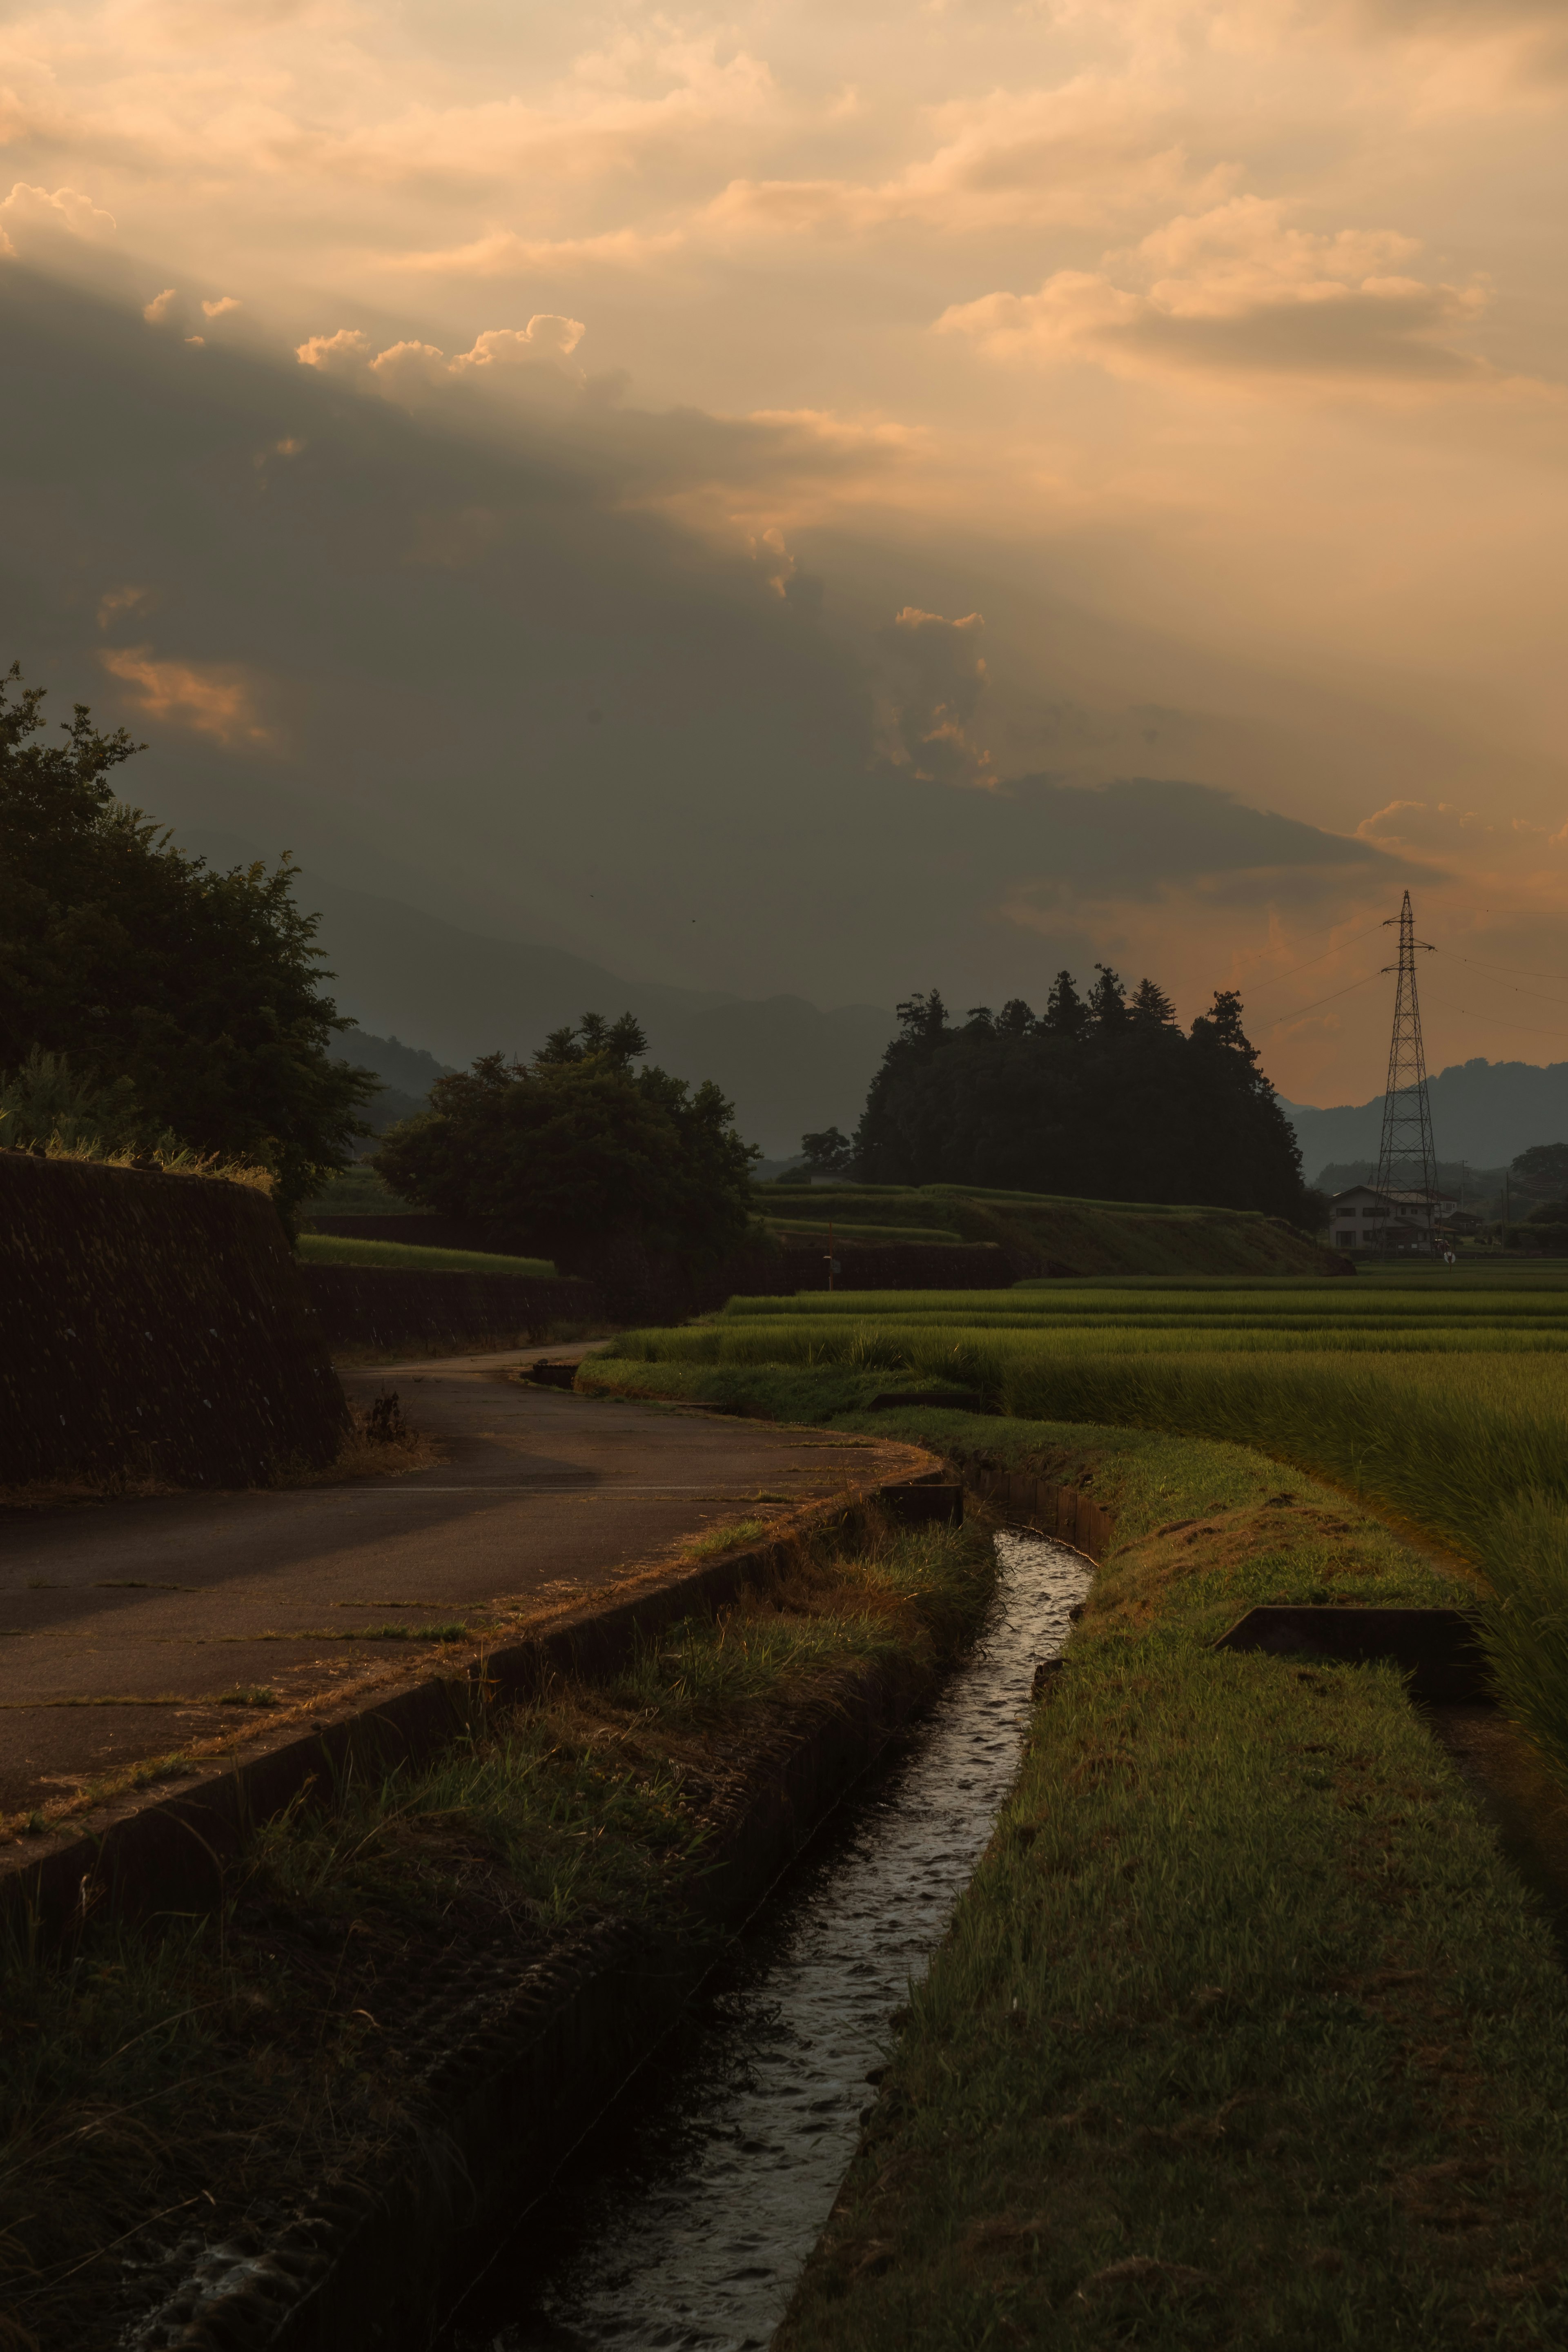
1457,1310
1044,1232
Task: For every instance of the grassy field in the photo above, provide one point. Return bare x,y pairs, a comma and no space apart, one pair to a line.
1060,1234
394,1257
1244,2033
1438,1398
214,2066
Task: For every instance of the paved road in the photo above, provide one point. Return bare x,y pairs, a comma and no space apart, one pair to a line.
127,1631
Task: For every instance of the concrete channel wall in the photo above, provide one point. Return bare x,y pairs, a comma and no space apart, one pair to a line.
1062,1512
141,1854
517,2059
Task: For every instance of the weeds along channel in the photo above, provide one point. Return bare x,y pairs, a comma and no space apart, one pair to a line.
198,2083
1439,1398
1245,2031
1243,2034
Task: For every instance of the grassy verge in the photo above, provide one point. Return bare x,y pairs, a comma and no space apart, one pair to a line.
171,2083
1460,1438
1244,2033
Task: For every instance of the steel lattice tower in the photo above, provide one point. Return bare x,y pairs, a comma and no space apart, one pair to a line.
1406,1161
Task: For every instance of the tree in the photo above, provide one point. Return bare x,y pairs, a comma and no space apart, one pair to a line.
1542,1172
1150,1007
1108,999
577,1150
829,1153
1105,1100
1065,1012
194,994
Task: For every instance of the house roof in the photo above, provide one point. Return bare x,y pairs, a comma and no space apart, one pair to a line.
1402,1199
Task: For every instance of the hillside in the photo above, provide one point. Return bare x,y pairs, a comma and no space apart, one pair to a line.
1044,1233
788,1067
406,1076
1483,1112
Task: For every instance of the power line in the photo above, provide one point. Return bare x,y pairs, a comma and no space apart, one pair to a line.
1489,1020
1521,971
1295,968
1297,1011
1507,984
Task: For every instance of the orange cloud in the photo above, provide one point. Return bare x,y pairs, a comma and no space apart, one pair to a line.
1086,152
1236,291
120,600
216,699
941,676
62,212
548,341
503,254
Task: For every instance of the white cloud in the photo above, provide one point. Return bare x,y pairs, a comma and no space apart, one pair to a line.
222,307
160,309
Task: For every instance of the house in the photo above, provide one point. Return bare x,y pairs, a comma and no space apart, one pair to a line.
1364,1218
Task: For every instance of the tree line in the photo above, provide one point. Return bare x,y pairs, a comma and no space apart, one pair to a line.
1102,1096
150,1004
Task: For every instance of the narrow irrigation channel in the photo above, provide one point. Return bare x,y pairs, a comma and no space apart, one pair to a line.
685,2220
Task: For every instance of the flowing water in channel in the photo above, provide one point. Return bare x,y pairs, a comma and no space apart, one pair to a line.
687,2220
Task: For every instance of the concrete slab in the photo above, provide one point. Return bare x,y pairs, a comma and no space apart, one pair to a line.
130,1630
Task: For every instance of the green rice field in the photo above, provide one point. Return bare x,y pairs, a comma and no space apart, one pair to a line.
398,1257
1438,1397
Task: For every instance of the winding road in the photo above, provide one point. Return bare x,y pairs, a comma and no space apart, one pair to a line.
134,1629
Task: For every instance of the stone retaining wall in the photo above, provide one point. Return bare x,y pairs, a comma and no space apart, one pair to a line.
154,1327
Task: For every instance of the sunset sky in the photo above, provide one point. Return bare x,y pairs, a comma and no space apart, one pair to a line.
840,497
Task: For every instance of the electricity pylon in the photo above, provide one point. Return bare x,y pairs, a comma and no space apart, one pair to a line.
1406,1161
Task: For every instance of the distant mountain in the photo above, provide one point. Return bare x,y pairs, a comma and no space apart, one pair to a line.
788,1067
406,1067
1483,1112
407,1074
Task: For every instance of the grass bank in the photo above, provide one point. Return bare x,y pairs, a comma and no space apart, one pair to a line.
1440,1401
180,2087
1060,1233
398,1257
1244,2033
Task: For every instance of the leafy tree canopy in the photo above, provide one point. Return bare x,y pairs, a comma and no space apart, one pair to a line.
827,1154
195,996
578,1149
1101,1095
1542,1170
